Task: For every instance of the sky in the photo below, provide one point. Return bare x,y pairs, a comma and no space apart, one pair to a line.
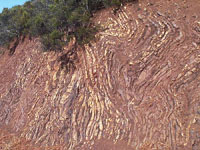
10,3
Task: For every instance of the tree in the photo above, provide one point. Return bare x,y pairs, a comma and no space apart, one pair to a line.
50,19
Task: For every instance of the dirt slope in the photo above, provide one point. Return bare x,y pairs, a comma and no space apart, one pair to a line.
137,87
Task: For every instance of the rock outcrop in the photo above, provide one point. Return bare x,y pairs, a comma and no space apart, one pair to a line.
136,87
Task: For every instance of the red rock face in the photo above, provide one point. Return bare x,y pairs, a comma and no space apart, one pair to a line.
136,87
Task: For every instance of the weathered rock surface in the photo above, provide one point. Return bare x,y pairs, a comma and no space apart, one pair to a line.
137,87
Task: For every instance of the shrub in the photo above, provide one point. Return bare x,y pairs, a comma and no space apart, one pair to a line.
50,19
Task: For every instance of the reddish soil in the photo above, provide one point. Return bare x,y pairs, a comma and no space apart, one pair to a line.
137,87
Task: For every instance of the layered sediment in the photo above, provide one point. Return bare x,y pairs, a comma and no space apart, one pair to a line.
136,87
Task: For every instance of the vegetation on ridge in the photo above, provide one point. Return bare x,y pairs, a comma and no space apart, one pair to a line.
55,21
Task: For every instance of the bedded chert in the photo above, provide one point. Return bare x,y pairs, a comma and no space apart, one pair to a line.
136,87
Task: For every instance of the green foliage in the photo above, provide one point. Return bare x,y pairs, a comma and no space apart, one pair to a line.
52,20
85,35
53,41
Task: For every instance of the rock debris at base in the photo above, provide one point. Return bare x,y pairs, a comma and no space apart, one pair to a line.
136,88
